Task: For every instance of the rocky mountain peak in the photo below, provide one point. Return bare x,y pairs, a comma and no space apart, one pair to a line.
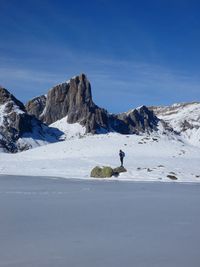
69,98
138,120
73,100
6,97
19,130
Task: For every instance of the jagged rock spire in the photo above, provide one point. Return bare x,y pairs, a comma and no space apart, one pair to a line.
74,100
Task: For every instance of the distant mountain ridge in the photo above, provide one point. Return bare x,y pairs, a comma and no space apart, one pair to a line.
68,110
73,99
184,118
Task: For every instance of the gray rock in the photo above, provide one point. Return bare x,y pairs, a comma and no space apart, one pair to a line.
74,100
118,170
104,172
172,177
36,106
137,121
6,97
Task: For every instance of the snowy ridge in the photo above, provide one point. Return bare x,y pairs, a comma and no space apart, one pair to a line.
70,130
4,114
132,110
20,131
184,118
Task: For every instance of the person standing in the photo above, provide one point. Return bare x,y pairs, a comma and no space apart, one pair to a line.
121,156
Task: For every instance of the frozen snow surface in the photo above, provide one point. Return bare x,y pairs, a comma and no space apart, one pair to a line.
73,223
148,158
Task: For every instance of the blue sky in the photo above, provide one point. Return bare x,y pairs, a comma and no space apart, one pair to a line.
133,52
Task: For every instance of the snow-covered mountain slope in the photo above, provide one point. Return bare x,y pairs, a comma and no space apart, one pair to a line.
148,158
184,118
18,130
70,130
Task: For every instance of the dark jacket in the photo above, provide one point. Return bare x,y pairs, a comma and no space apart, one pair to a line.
121,154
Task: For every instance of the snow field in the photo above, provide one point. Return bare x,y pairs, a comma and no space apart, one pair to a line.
148,158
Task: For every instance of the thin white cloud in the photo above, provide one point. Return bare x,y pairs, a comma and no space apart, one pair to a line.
27,75
144,75
138,82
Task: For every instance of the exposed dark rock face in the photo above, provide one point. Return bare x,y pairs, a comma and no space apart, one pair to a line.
6,97
118,170
14,117
74,100
36,106
137,121
15,123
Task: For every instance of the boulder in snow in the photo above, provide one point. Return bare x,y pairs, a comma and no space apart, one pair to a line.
104,172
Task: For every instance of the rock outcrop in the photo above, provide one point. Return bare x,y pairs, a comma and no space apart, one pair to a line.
36,106
19,130
136,121
73,99
106,172
118,170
